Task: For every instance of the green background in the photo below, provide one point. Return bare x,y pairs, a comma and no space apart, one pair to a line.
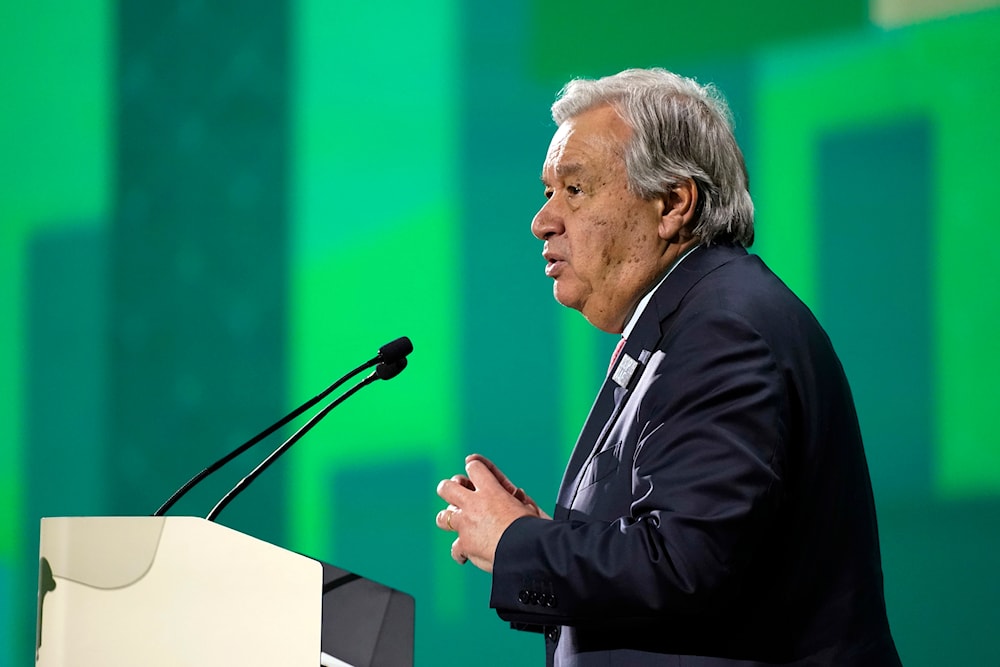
209,211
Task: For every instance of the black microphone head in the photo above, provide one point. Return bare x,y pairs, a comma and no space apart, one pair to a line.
388,370
395,350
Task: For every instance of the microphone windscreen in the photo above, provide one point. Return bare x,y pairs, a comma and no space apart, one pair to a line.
395,350
388,370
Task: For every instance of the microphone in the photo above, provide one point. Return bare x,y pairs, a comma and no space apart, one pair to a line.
393,351
385,370
389,354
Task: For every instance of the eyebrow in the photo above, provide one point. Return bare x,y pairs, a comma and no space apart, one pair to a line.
565,169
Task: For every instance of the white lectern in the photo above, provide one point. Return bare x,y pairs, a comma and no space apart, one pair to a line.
183,591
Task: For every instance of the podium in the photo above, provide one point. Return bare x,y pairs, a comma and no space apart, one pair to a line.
186,592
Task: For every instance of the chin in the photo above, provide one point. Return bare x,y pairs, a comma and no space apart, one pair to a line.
568,297
603,323
603,317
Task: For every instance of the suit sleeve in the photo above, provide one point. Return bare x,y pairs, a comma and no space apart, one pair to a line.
697,485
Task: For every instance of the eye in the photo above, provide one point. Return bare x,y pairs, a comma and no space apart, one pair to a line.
548,193
574,189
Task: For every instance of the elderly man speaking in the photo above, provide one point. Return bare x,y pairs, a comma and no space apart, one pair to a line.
717,508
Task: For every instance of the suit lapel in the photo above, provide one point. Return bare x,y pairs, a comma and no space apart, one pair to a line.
638,348
613,395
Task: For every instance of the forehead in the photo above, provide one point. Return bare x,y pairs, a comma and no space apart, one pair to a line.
593,140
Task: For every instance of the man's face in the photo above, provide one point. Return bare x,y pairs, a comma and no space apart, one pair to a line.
602,242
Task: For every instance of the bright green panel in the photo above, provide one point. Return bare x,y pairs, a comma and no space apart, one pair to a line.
376,117
54,169
347,305
969,304
54,121
803,93
375,146
376,254
947,72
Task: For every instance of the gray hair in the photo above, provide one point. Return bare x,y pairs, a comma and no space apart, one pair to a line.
680,130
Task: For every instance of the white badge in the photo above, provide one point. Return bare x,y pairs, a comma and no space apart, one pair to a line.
623,373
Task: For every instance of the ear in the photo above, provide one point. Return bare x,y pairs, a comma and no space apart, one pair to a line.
679,207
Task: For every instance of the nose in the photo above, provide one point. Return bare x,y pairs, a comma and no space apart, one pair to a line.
547,222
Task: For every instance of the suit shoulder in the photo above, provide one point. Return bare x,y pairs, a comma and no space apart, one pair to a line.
747,287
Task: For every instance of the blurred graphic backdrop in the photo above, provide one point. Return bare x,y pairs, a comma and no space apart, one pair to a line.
211,210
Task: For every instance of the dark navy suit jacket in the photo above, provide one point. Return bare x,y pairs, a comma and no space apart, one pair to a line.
717,509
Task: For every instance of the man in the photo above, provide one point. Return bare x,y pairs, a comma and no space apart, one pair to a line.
717,508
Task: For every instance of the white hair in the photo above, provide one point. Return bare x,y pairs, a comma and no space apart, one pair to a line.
680,130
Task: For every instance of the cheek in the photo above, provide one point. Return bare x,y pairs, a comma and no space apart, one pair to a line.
608,256
616,249
596,251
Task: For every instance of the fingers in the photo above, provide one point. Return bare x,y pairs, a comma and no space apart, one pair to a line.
464,481
455,491
480,457
456,553
496,472
481,505
482,477
445,519
475,464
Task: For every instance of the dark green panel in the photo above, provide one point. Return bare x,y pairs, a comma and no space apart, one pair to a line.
65,395
513,380
511,324
941,580
199,251
9,590
65,372
388,537
594,37
875,206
